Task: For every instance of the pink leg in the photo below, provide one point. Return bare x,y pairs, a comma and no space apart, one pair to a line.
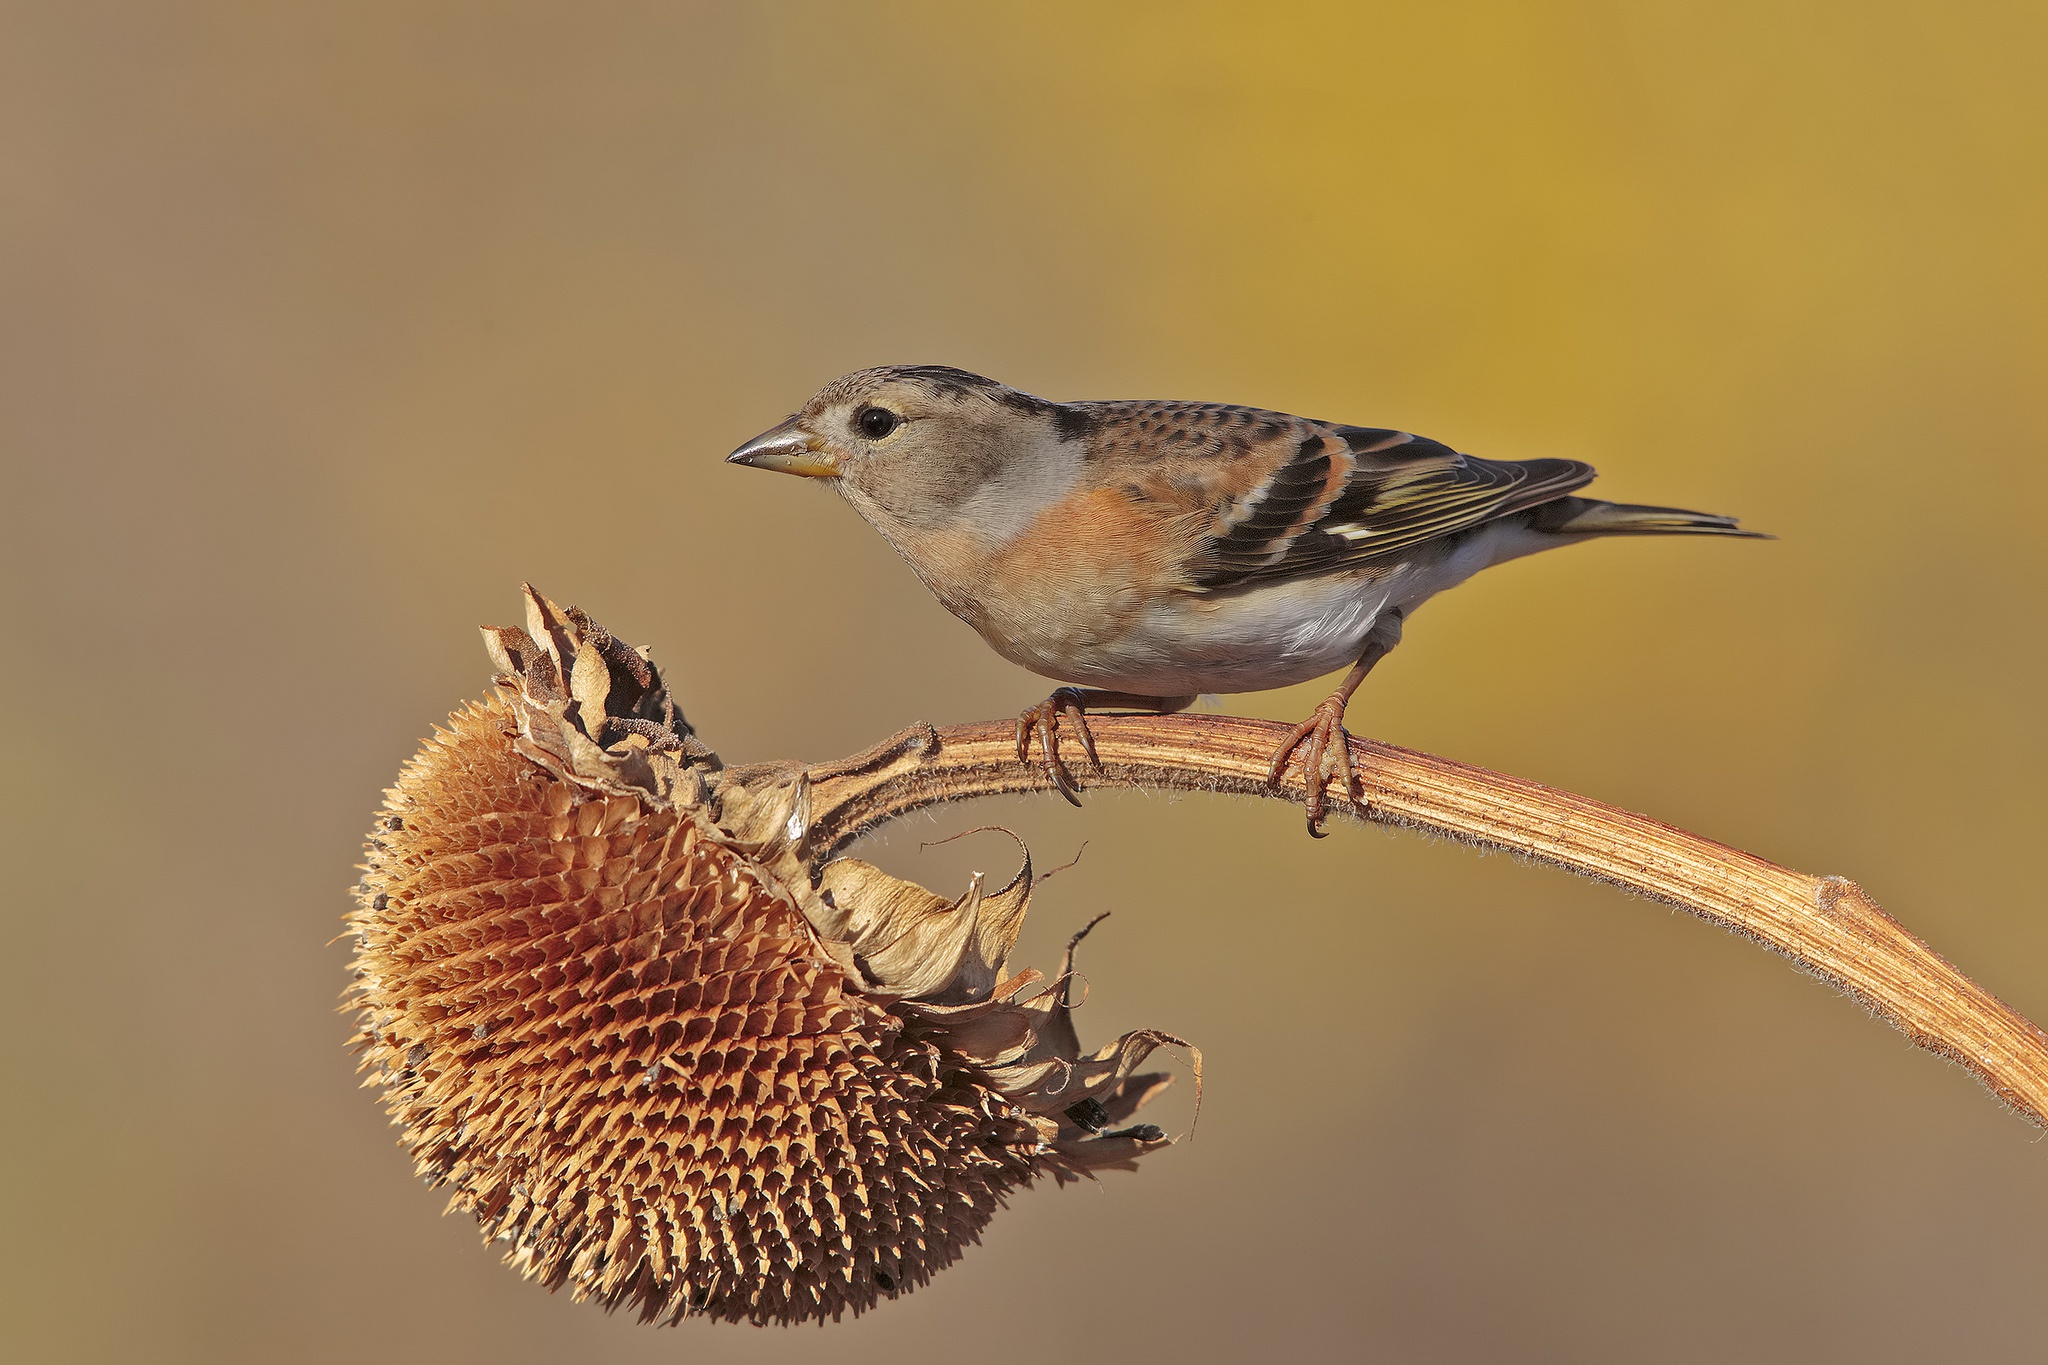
1042,722
1329,747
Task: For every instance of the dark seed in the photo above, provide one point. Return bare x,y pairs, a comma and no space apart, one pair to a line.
1089,1115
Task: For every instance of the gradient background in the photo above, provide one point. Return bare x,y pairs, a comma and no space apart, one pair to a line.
319,331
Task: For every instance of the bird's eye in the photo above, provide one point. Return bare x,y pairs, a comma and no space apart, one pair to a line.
875,423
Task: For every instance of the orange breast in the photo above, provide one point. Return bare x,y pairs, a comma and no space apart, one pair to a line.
1073,581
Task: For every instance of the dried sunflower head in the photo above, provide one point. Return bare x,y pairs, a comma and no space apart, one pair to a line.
670,1063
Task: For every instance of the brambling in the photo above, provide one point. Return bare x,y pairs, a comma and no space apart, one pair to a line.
1147,553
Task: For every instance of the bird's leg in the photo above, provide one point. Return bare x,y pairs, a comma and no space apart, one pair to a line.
1042,723
1329,746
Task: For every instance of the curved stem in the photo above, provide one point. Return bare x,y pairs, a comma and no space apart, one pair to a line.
1826,925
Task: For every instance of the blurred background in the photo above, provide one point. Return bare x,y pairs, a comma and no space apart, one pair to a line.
322,327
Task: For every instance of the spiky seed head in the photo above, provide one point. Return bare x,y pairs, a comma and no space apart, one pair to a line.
666,1062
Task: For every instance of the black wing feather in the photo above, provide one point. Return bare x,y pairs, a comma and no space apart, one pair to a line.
1254,541
1404,490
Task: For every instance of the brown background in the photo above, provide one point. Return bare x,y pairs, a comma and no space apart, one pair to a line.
324,326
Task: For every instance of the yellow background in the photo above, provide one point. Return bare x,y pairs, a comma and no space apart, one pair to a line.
321,327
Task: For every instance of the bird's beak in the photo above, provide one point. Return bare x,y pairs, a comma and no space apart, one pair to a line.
786,449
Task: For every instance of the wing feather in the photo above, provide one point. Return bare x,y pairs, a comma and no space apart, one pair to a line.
1284,497
1399,491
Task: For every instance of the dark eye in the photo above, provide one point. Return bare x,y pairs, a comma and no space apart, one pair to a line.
875,423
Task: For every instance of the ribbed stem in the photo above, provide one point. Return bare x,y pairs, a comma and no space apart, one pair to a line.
1825,924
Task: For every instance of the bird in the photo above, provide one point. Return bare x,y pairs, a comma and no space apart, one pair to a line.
1143,554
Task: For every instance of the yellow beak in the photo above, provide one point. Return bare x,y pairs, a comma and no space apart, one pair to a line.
787,449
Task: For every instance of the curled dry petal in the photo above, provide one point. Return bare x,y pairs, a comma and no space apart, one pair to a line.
625,1019
914,944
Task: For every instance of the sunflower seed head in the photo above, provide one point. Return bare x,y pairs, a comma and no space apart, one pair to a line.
676,1068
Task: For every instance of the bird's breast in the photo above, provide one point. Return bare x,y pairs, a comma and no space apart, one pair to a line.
1071,584
1166,641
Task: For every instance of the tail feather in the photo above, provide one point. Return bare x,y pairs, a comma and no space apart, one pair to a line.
1590,517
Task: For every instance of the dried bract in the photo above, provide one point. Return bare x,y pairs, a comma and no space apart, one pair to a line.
672,1064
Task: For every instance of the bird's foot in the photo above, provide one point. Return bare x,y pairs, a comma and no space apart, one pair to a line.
1326,757
1041,722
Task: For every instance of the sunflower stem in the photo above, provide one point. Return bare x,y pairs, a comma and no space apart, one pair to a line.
1826,925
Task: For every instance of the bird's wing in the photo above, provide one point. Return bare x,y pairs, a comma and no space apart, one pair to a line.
1284,497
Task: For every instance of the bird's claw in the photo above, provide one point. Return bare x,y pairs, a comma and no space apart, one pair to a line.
1327,756
1041,722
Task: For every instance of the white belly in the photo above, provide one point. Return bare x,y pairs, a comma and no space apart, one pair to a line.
1279,635
1247,641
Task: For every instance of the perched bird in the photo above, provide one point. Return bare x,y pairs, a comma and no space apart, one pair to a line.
1147,553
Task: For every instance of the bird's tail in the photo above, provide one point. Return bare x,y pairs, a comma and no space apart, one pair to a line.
1589,517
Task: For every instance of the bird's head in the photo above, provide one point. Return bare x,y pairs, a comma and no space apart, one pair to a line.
920,447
